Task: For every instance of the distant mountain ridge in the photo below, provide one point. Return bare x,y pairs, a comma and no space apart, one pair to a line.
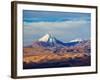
76,40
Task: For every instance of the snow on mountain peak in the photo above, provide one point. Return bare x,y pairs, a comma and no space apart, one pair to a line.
45,38
76,40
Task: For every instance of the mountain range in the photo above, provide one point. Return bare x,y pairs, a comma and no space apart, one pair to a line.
49,40
49,43
48,52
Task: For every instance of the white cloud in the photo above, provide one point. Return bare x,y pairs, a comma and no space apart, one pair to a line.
49,25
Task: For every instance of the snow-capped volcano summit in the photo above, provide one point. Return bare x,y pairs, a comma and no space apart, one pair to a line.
48,38
45,38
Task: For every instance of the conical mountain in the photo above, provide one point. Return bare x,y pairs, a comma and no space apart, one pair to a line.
45,38
49,40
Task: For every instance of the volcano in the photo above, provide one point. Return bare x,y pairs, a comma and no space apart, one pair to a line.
48,40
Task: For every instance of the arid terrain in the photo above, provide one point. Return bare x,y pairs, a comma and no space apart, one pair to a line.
64,57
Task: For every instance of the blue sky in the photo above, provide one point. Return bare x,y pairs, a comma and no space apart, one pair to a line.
65,26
